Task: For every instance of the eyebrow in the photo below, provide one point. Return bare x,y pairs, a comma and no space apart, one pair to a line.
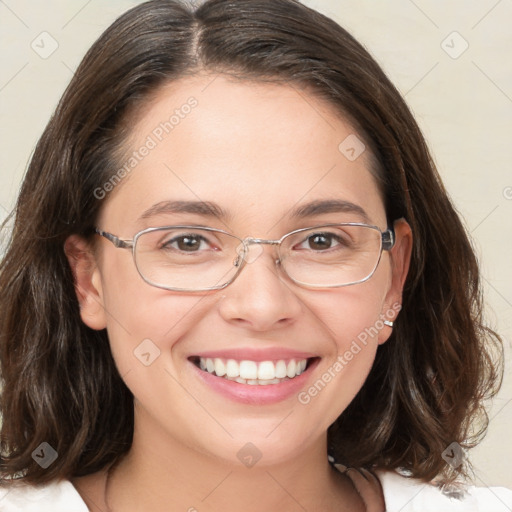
210,209
204,208
329,206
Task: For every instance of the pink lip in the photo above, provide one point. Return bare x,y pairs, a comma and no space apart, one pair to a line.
256,395
251,354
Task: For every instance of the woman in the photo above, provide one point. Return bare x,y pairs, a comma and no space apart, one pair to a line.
235,279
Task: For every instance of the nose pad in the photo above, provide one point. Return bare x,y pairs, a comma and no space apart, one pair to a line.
248,252
237,261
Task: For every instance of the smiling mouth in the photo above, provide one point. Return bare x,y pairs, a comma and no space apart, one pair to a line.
256,373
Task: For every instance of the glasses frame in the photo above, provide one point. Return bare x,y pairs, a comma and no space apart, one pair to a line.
387,243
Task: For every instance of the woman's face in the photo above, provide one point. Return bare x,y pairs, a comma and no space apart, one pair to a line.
261,153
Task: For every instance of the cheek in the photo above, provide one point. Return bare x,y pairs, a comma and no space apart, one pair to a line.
352,320
144,322
352,313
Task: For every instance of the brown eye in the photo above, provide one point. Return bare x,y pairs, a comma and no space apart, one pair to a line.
187,243
320,241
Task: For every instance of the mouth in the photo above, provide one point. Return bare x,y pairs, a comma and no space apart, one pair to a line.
254,373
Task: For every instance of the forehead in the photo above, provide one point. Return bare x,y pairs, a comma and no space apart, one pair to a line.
258,150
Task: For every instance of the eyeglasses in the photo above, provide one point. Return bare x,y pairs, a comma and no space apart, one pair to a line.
199,258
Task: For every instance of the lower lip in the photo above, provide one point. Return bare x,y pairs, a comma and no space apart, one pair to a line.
257,394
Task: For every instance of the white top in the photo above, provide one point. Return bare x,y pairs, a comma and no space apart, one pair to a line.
401,494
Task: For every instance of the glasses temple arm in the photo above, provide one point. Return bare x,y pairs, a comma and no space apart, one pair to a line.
388,239
121,244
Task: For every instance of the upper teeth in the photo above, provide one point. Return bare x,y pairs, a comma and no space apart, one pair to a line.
251,370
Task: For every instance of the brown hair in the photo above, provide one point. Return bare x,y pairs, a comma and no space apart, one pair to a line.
60,384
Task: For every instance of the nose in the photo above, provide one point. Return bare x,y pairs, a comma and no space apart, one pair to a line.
259,299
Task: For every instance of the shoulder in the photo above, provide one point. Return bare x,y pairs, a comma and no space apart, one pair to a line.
410,495
54,497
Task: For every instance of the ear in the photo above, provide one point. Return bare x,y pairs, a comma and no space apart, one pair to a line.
87,277
400,257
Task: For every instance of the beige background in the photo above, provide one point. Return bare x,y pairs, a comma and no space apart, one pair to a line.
463,104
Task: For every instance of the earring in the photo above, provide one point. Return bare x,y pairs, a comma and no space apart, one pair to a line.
389,323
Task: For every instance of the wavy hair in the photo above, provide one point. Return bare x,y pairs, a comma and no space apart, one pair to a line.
60,384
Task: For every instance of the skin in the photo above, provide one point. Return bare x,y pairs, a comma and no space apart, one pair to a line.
258,151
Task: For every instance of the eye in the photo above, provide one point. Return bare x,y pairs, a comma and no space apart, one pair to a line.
320,242
187,243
